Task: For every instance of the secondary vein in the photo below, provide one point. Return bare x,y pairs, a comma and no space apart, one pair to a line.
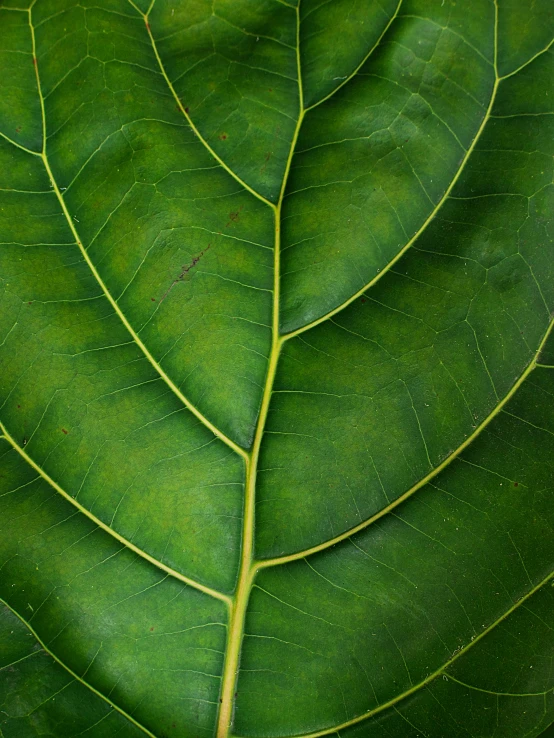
185,113
421,229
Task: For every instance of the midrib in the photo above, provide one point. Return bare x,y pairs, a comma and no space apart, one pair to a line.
248,566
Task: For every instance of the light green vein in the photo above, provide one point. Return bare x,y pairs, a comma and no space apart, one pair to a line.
361,64
427,221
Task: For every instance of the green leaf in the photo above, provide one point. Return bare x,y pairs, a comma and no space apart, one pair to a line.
277,296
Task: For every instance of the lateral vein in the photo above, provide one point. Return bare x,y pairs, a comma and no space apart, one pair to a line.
361,64
389,508
187,580
185,113
193,409
420,230
439,672
75,676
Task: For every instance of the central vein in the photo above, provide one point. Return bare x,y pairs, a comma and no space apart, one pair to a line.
248,566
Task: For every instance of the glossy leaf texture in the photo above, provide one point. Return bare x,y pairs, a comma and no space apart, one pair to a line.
277,368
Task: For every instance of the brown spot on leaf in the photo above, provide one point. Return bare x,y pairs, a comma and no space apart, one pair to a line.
185,270
234,217
223,137
64,431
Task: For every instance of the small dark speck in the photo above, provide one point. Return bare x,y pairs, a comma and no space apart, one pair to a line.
516,484
151,629
223,137
363,300
153,299
19,407
64,431
30,302
186,110
236,694
220,700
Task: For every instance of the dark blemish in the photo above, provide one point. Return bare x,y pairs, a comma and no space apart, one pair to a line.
186,110
233,217
153,299
151,629
220,701
19,407
223,137
34,61
64,431
236,694
147,24
267,158
516,484
30,302
270,89
362,300
185,270
18,129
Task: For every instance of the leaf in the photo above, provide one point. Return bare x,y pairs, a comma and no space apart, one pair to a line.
277,368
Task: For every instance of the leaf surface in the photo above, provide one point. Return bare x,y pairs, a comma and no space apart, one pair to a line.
277,368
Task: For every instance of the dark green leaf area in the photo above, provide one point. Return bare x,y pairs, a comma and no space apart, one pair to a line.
137,636
379,616
38,697
478,696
